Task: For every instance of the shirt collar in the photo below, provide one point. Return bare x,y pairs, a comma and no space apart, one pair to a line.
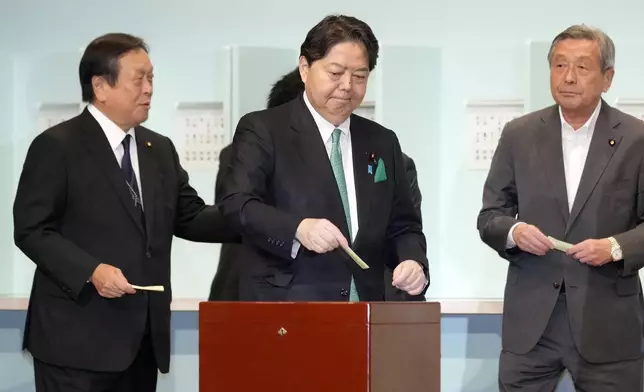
325,127
586,130
113,132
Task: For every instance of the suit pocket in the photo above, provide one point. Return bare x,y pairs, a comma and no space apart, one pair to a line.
627,286
279,279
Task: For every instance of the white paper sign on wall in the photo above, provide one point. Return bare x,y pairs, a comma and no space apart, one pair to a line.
203,133
485,121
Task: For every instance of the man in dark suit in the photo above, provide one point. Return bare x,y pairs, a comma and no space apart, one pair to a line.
225,283
573,172
98,202
292,191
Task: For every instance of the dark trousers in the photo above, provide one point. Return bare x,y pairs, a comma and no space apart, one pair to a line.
540,369
141,376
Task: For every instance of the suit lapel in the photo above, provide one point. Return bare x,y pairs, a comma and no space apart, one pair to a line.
360,144
551,153
599,154
312,152
102,153
148,169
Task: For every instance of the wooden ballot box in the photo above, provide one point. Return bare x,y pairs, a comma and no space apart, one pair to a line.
319,347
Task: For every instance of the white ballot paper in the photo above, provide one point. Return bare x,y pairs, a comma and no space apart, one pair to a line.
560,245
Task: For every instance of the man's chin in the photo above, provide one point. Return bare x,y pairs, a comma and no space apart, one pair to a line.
342,111
569,103
143,117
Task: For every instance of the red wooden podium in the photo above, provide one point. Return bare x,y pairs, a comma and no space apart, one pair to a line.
319,347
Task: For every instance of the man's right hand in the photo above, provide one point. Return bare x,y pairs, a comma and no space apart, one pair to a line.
319,235
530,239
110,282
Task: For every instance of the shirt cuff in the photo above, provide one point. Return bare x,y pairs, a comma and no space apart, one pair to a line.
509,244
295,248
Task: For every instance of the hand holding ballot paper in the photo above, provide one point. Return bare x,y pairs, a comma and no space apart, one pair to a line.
111,283
593,252
148,288
560,245
530,239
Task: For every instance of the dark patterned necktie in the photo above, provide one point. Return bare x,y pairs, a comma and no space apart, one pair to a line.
130,176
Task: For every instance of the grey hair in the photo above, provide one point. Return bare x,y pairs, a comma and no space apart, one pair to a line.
606,45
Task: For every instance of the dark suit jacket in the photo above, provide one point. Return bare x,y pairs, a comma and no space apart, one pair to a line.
225,284
280,173
527,177
72,212
393,293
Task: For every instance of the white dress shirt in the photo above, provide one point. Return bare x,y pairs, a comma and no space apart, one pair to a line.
115,136
575,145
326,130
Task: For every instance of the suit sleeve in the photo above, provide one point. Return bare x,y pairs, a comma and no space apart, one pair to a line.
195,221
412,177
405,229
224,160
38,210
632,241
500,203
245,202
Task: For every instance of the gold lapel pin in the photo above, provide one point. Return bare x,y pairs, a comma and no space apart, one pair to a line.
148,144
611,142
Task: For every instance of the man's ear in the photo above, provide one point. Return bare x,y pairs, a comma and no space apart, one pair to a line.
608,79
100,86
304,68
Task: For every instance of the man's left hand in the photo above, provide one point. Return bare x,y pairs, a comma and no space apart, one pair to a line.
410,277
592,252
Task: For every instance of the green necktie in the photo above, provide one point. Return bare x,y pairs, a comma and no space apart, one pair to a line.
338,171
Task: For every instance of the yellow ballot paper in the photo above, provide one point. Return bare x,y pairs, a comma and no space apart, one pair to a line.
355,257
560,245
148,288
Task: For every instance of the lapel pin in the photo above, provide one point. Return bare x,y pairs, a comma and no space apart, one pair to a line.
148,144
611,142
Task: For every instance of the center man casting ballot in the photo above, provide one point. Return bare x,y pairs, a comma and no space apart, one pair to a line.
309,176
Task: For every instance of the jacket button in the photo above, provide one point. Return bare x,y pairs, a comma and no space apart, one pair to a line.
556,285
148,254
344,292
